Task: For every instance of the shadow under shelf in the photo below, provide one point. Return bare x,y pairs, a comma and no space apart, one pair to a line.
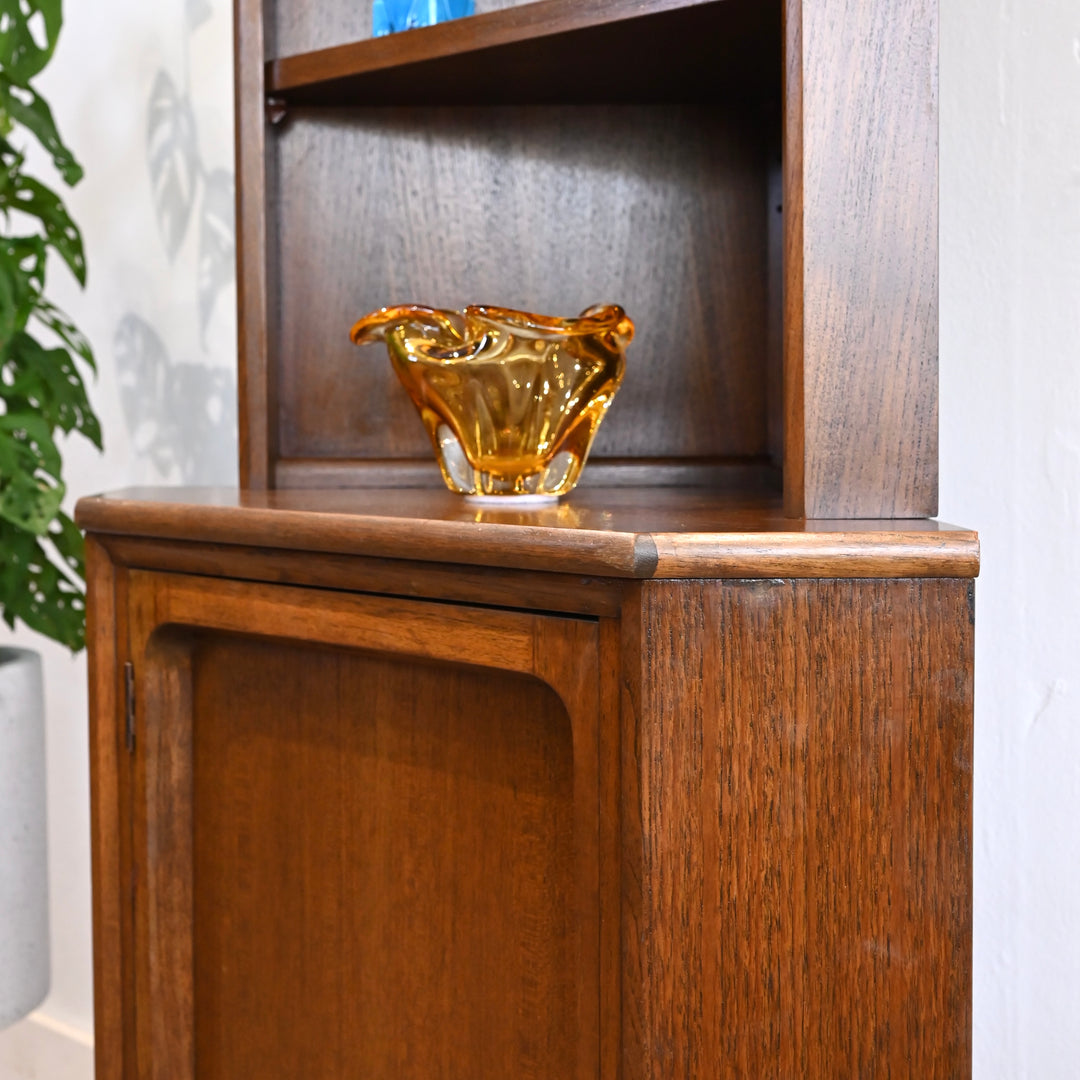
552,52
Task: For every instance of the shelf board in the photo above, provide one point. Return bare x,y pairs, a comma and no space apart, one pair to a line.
624,533
552,52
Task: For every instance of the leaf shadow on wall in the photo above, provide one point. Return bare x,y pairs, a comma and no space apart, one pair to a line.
181,416
177,178
198,11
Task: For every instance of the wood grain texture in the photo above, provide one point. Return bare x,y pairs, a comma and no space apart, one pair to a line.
623,533
774,323
256,379
861,147
107,769
609,743
474,844
726,476
797,830
551,210
618,50
163,856
385,869
794,267
305,25
573,594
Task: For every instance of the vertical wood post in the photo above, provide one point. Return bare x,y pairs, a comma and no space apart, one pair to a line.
861,279
257,409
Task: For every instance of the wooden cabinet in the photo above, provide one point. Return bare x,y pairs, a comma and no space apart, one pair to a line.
672,779
470,817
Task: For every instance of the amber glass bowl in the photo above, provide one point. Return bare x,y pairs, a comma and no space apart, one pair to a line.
510,400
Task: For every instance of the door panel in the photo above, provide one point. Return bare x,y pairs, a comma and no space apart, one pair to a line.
358,856
383,866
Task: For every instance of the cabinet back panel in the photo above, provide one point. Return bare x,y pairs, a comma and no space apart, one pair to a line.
661,209
383,869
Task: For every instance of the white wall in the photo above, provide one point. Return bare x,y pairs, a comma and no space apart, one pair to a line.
166,390
1010,456
1010,465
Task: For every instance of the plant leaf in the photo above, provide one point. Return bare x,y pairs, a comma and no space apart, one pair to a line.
67,538
22,274
217,242
47,381
27,446
30,490
62,326
34,589
22,55
11,285
173,158
41,389
30,506
30,196
26,107
27,254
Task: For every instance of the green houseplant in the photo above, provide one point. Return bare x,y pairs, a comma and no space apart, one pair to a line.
41,389
42,396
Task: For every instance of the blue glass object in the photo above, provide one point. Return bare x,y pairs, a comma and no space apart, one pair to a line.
389,16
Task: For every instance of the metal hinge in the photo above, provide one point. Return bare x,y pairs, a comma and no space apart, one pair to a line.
129,707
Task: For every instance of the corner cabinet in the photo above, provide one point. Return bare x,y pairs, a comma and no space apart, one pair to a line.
670,780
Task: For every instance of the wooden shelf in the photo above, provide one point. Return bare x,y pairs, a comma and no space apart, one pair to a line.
625,533
552,52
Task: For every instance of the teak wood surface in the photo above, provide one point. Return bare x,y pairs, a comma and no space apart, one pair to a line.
797,830
622,533
822,119
721,828
617,50
672,779
336,883
861,286
533,189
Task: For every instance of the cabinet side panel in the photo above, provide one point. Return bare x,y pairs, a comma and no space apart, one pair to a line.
802,794
863,151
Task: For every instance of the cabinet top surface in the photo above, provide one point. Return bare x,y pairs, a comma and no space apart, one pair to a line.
627,533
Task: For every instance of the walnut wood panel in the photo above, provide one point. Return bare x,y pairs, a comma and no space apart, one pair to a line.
797,830
162,859
303,25
662,533
724,476
661,210
517,589
354,859
384,855
108,779
256,380
861,274
617,50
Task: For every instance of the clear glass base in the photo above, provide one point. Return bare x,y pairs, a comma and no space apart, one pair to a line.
514,501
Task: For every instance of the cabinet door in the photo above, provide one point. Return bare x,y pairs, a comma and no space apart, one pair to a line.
365,836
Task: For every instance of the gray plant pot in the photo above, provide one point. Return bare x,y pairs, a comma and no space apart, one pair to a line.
24,896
